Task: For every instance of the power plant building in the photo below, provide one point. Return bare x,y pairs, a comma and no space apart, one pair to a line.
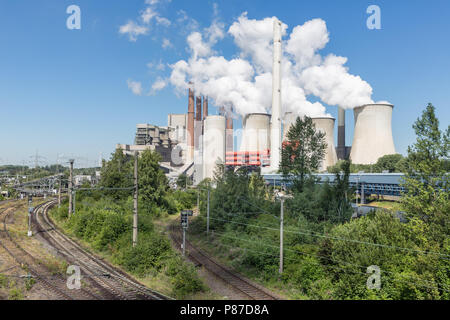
194,142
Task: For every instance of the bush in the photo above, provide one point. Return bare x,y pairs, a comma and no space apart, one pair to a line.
184,277
405,274
149,255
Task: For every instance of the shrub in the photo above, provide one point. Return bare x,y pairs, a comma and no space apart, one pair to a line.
147,256
184,277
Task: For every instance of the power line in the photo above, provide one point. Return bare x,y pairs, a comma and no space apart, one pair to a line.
347,270
316,234
320,256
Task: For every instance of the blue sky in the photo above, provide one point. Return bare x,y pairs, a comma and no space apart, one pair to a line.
65,91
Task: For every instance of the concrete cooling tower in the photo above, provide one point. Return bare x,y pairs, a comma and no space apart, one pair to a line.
326,125
256,132
213,144
372,137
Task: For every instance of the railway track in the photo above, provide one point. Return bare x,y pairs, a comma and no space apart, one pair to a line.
54,283
251,290
112,281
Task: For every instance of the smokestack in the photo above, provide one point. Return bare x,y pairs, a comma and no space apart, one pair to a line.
275,131
190,125
205,107
198,115
372,137
341,150
229,134
229,123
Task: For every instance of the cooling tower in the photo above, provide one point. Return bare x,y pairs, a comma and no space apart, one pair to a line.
326,125
256,132
213,144
372,137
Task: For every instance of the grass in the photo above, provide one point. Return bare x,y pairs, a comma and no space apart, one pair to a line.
387,204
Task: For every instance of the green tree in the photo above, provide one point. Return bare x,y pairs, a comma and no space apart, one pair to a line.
341,193
153,184
426,180
388,163
117,173
303,151
183,181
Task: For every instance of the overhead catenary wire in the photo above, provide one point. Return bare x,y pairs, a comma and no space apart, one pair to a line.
297,251
339,268
316,234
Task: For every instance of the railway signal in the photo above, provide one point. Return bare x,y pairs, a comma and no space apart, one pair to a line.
185,214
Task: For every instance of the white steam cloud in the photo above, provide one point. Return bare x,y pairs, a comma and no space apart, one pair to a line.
245,82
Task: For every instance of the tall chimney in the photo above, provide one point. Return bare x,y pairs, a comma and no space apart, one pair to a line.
190,125
205,107
198,115
229,133
341,134
275,131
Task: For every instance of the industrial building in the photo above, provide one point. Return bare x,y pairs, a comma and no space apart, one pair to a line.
193,143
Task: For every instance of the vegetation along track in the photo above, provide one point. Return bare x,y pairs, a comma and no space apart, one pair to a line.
56,283
118,284
238,282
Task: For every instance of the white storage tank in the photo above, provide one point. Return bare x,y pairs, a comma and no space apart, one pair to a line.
326,125
213,144
372,137
256,132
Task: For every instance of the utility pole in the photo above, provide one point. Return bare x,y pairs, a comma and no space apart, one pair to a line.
207,215
30,211
71,161
74,205
198,200
135,215
59,193
281,236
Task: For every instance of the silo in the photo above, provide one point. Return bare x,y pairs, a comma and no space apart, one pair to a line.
372,137
256,132
326,125
213,144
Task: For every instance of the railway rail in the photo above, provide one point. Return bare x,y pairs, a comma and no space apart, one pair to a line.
246,287
111,280
28,262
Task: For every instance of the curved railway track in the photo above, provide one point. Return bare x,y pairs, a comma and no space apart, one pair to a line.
251,290
54,283
112,281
